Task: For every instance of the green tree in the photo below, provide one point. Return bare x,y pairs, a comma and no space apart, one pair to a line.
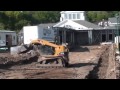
15,20
102,15
95,16
91,16
46,16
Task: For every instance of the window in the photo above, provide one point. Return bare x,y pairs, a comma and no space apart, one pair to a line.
65,16
103,37
14,37
70,17
110,37
78,16
74,16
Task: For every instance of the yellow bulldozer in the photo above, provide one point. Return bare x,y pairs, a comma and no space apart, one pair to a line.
49,54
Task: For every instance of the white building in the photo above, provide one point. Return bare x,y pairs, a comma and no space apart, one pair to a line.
8,38
29,33
72,15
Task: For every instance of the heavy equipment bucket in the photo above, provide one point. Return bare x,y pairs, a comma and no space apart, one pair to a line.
20,49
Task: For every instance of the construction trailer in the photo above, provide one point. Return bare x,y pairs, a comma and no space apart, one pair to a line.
29,33
8,38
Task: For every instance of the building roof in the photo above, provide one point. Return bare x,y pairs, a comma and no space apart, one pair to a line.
84,23
112,20
88,24
110,27
60,23
46,25
70,11
62,11
6,31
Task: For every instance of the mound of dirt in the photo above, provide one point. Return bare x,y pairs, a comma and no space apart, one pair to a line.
106,65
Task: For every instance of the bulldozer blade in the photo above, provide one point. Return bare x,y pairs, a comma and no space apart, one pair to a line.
19,49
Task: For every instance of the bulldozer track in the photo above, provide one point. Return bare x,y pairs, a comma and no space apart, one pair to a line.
33,68
49,66
26,59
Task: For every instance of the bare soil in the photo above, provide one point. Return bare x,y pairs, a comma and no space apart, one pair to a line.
105,69
83,61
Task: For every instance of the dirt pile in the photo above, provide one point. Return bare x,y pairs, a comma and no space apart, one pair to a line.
6,59
105,69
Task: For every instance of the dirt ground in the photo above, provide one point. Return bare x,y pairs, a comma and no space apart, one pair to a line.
83,60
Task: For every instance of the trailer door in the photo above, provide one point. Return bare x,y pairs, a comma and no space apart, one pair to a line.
8,40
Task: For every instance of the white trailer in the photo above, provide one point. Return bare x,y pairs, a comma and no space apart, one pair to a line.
7,38
37,32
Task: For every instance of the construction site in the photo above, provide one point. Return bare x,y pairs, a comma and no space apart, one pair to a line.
66,50
85,62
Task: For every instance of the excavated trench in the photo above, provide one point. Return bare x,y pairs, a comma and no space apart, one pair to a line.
106,64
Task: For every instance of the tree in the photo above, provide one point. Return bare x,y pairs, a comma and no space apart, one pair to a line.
91,16
46,16
102,15
14,20
95,16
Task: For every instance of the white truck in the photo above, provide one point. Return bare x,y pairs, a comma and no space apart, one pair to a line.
37,32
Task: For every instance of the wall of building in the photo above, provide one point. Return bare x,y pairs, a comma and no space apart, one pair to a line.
103,36
72,15
81,38
13,37
109,35
96,36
